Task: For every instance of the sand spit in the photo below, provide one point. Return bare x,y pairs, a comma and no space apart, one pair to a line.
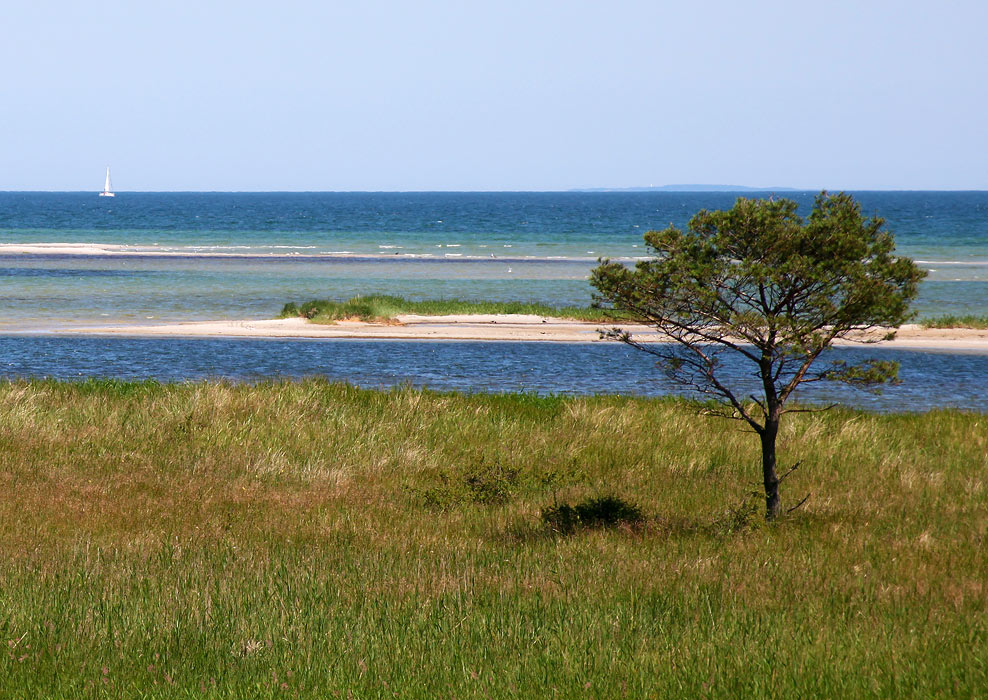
493,327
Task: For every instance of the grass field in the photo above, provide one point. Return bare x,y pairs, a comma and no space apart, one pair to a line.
316,540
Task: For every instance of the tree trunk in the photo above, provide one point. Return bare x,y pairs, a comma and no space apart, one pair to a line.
770,477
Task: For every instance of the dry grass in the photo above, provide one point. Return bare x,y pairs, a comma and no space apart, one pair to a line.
306,539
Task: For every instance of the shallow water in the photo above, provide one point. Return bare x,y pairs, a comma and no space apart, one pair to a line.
929,379
245,255
199,256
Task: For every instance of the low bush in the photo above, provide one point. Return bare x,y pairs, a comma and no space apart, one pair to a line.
592,513
484,484
382,307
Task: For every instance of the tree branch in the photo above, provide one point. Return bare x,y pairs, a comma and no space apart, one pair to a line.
805,499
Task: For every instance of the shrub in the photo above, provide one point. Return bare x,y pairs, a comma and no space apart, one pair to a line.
483,484
492,485
592,513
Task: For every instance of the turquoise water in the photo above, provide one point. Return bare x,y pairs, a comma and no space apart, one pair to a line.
195,256
74,258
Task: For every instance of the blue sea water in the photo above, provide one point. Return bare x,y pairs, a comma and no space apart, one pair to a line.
929,379
75,258
198,256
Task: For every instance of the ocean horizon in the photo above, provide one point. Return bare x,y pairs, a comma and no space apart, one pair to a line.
79,258
76,259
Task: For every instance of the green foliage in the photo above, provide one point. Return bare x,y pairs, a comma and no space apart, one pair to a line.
735,519
481,484
592,513
870,373
964,321
371,308
107,386
760,282
274,550
384,308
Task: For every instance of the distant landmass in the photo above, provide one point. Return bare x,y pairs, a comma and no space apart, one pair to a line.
687,188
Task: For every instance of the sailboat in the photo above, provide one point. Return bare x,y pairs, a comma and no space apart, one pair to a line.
106,187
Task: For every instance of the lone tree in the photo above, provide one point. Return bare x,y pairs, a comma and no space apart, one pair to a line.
759,282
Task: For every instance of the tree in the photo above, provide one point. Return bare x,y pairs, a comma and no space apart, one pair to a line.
759,282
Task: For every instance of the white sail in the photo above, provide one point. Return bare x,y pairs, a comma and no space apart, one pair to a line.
106,187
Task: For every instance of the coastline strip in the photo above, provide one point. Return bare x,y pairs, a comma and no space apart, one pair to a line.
487,327
109,250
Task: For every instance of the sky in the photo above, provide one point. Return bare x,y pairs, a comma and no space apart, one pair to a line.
453,95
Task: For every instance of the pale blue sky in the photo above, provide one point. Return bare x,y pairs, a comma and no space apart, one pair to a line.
454,95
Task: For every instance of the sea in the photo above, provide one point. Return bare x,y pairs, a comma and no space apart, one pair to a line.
73,258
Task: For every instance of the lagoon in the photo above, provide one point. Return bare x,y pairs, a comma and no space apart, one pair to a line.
930,380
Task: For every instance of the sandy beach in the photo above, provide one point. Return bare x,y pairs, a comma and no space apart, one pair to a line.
493,327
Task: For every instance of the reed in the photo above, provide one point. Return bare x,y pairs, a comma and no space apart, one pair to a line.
946,321
317,540
384,308
379,307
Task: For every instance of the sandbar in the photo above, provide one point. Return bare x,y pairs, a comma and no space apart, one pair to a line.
489,327
114,250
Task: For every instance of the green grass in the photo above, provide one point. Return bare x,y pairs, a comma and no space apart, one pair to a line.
316,540
384,308
969,321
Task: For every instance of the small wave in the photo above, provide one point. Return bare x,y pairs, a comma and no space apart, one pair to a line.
265,253
241,247
968,263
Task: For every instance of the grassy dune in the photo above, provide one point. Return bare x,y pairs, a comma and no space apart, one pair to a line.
970,321
316,540
380,307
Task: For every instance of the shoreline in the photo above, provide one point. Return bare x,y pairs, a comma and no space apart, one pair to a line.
481,327
116,250
151,250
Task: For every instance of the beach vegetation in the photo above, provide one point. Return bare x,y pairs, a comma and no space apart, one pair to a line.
956,321
591,513
480,484
270,540
760,282
384,308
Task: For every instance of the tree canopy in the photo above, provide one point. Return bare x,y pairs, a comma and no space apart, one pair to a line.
760,282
